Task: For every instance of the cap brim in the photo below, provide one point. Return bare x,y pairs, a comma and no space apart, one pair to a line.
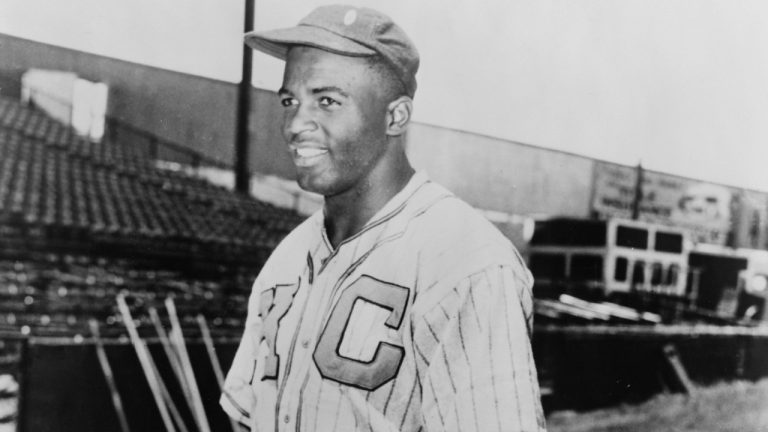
277,42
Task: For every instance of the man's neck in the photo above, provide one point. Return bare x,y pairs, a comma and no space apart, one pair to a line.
347,214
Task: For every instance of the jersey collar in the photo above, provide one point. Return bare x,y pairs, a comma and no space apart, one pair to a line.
393,206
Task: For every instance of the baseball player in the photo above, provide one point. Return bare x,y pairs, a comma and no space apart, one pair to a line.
397,307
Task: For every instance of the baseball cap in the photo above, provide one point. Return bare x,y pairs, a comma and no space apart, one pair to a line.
349,31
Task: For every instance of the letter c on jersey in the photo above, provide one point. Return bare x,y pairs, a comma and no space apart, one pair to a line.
387,359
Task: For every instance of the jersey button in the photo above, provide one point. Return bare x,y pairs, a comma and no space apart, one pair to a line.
286,419
305,343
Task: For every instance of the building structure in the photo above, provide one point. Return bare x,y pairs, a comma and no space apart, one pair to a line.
512,182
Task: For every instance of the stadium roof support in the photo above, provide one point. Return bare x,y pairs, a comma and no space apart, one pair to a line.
243,109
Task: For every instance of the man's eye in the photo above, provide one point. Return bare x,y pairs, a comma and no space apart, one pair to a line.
286,102
328,101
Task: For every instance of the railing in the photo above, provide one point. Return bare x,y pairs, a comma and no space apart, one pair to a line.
156,147
148,143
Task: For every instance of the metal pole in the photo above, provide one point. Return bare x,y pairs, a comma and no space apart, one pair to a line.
638,192
242,175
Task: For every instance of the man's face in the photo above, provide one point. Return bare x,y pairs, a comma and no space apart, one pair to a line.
334,119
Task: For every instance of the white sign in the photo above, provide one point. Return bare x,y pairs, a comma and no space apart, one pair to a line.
702,208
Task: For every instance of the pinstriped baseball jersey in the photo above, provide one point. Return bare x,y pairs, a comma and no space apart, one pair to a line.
420,322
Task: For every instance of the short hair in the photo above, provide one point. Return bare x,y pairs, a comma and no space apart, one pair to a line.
393,86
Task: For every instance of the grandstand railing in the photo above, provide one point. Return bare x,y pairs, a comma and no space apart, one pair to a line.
157,147
153,145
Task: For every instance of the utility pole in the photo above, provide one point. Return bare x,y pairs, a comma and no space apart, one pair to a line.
638,192
242,174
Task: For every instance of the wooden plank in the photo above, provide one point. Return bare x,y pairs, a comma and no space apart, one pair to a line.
612,310
543,310
673,359
625,312
177,338
601,311
211,349
167,395
108,375
144,360
173,357
571,310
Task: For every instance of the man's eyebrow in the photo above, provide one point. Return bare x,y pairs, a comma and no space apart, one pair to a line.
330,89
285,92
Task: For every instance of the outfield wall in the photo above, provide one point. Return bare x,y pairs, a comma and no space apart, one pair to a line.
64,389
500,175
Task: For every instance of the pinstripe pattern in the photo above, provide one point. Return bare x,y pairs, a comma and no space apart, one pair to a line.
465,362
480,358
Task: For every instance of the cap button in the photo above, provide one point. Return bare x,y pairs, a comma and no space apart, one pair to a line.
350,17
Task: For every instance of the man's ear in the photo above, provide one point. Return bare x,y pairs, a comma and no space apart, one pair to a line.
399,115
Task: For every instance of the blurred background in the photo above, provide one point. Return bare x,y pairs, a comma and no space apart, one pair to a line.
620,145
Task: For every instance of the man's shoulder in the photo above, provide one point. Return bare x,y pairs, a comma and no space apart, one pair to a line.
453,238
451,220
299,239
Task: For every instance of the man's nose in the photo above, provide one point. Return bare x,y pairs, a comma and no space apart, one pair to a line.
298,120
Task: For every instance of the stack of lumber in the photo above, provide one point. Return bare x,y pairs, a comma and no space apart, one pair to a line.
572,309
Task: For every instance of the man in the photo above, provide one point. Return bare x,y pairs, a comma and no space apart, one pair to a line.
397,307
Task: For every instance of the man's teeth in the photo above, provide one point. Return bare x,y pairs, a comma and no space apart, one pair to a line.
310,152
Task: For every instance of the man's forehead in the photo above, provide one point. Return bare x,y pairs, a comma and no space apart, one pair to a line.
314,67
307,55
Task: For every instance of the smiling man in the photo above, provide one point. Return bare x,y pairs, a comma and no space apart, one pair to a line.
397,307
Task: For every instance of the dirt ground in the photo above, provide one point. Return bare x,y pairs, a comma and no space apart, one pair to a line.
738,406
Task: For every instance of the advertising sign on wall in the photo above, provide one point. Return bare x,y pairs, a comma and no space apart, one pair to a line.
702,208
751,220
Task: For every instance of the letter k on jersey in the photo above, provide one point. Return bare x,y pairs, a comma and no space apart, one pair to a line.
274,304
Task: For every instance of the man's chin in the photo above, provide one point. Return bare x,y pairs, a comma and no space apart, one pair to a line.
312,184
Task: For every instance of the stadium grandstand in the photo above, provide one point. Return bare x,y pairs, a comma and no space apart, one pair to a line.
82,220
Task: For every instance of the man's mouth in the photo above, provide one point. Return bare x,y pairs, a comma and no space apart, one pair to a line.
307,156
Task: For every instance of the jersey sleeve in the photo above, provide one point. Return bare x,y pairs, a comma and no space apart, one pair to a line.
474,356
238,399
